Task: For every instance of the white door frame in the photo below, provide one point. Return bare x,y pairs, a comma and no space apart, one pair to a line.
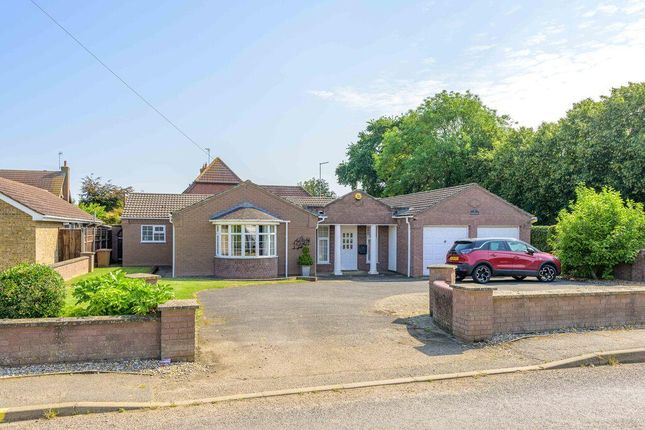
349,256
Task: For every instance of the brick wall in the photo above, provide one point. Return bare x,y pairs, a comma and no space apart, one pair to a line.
456,211
47,241
17,237
136,253
348,210
169,334
246,268
632,272
195,235
69,269
538,311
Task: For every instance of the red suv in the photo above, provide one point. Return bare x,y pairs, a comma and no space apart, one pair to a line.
487,257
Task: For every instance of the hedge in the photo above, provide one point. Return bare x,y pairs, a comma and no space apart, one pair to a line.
31,291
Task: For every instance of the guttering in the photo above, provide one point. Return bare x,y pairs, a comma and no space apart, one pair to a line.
174,240
286,249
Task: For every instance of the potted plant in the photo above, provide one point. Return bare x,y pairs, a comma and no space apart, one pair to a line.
305,261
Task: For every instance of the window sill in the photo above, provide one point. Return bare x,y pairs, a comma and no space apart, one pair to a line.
153,241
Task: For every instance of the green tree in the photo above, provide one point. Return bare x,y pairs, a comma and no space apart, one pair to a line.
111,218
317,187
106,194
438,144
359,171
600,231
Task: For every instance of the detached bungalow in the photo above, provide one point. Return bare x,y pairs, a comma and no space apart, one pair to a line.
30,220
225,227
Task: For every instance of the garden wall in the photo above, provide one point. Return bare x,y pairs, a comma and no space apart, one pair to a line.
632,272
478,312
168,334
69,269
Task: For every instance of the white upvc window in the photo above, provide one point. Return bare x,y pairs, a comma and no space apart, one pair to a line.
245,240
153,234
323,244
369,245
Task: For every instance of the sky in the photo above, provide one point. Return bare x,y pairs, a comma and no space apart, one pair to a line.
274,88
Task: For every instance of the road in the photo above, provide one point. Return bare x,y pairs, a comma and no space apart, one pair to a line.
600,397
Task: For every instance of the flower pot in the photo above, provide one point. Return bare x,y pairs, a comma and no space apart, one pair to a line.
306,270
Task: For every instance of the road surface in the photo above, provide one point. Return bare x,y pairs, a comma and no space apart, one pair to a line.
600,397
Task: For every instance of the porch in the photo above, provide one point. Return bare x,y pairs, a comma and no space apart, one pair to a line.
347,249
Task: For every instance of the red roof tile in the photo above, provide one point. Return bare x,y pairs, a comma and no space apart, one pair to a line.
217,172
42,202
51,181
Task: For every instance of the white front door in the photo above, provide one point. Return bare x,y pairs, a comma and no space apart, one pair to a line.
391,248
508,232
348,249
437,241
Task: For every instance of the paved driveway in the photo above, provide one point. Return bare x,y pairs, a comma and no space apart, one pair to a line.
326,327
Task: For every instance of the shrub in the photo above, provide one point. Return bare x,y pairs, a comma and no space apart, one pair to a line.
541,237
305,259
114,294
31,291
599,232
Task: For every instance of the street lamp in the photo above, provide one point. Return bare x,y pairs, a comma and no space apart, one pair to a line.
320,177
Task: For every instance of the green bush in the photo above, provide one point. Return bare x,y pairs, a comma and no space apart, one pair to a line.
598,233
305,259
31,291
114,294
541,236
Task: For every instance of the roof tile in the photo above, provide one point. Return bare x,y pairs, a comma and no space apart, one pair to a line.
157,206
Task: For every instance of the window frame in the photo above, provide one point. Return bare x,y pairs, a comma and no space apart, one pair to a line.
324,239
154,231
245,235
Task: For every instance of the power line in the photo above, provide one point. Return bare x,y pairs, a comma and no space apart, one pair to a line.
128,86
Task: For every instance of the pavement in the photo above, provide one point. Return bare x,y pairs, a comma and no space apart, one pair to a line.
286,336
585,398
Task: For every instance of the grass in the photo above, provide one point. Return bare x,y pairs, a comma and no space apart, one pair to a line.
185,288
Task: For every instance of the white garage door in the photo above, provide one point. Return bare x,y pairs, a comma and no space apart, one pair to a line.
512,232
437,241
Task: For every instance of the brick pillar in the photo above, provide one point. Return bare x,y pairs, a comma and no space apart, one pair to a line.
178,339
440,272
90,267
472,312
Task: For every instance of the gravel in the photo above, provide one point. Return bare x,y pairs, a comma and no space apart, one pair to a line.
142,367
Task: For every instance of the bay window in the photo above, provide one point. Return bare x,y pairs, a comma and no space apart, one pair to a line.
245,240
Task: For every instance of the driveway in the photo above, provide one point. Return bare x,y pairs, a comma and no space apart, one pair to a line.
320,328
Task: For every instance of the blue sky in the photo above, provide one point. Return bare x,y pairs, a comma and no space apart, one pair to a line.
275,88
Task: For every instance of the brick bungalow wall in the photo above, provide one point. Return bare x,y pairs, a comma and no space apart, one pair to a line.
246,268
634,271
136,253
23,240
195,235
456,211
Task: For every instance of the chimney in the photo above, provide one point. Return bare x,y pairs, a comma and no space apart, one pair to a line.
201,169
67,195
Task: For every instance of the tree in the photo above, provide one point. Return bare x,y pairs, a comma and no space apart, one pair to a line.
437,145
317,187
106,194
111,218
600,231
359,171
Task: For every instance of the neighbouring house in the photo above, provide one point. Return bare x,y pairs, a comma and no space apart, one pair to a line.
31,219
56,182
224,227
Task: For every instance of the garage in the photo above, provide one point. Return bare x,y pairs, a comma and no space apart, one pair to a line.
437,241
512,232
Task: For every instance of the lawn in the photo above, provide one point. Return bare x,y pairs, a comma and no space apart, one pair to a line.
185,288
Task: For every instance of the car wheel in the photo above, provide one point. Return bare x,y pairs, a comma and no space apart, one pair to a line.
547,273
482,274
519,278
